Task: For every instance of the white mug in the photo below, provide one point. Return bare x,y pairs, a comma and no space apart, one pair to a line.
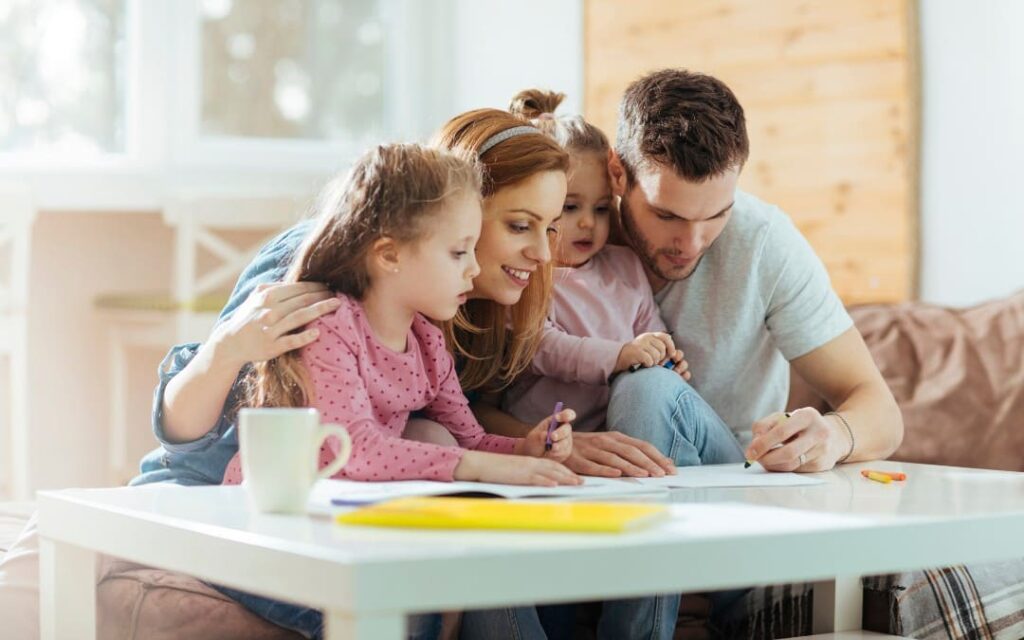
280,453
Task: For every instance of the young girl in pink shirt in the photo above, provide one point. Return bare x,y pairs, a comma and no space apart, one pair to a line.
395,241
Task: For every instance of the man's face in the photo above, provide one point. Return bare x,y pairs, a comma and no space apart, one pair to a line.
669,221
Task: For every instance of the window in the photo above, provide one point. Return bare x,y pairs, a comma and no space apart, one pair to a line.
62,77
288,69
191,90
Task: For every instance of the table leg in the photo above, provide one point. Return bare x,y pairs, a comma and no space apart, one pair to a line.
838,604
340,625
67,591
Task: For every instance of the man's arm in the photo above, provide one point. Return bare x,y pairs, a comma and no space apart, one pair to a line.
844,374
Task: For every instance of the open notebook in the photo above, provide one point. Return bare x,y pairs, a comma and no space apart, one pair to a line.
328,495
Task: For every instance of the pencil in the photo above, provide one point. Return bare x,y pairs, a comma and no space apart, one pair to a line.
785,415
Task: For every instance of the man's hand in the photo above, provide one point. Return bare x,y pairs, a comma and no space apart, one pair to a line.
806,441
612,454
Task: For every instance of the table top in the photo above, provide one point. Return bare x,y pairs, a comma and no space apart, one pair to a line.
716,538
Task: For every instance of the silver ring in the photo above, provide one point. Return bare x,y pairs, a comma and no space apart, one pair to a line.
802,459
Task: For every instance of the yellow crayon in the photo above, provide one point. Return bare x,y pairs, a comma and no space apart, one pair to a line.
895,475
878,477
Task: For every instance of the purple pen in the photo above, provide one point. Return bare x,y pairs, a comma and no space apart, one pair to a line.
552,425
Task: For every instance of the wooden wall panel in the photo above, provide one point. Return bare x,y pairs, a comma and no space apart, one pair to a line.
830,93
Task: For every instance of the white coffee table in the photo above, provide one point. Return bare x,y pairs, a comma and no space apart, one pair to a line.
367,580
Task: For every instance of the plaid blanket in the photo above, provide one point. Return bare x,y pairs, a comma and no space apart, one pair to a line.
976,602
762,613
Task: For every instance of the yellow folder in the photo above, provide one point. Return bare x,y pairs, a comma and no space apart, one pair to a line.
484,513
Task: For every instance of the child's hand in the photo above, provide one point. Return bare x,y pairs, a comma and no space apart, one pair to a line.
681,366
535,442
646,350
499,468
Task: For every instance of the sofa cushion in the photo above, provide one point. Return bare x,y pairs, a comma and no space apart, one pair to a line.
956,375
137,602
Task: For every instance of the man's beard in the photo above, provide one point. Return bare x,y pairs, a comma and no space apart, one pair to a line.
643,248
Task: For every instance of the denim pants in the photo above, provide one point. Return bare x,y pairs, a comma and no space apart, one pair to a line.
309,623
656,405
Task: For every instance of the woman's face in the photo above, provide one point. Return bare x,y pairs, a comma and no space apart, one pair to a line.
516,234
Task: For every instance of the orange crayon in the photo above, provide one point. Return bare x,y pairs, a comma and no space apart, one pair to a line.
893,475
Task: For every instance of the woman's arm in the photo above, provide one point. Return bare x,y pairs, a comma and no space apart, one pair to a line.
496,421
260,329
609,454
197,382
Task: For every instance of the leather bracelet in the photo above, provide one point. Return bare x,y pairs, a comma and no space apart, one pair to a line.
848,430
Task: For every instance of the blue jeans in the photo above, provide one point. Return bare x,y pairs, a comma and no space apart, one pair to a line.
658,406
644,403
309,623
651,617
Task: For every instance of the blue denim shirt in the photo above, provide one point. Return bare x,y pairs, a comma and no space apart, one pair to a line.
203,461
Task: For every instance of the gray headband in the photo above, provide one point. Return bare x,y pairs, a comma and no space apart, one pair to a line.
502,136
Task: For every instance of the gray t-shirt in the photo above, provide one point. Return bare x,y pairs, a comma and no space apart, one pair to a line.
759,298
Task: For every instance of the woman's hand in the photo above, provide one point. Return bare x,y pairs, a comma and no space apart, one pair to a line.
480,466
805,441
612,454
535,442
261,327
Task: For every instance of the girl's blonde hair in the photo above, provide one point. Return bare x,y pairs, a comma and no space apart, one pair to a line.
394,191
496,342
572,132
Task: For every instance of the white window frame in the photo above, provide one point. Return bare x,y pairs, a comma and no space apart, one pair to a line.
164,149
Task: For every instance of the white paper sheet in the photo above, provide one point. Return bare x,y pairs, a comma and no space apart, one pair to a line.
353,493
729,475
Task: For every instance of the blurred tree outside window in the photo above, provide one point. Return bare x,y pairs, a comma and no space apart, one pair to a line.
62,76
301,70
304,69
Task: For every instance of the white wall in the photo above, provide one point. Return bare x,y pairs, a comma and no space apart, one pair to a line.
972,212
504,46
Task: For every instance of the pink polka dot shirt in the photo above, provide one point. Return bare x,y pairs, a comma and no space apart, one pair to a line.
371,390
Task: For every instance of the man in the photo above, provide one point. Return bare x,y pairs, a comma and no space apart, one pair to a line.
737,284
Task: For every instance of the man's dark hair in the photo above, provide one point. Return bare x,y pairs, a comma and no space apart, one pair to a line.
688,121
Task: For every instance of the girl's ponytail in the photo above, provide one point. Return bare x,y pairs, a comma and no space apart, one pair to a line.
534,103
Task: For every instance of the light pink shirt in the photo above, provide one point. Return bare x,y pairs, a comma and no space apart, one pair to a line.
371,390
595,310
